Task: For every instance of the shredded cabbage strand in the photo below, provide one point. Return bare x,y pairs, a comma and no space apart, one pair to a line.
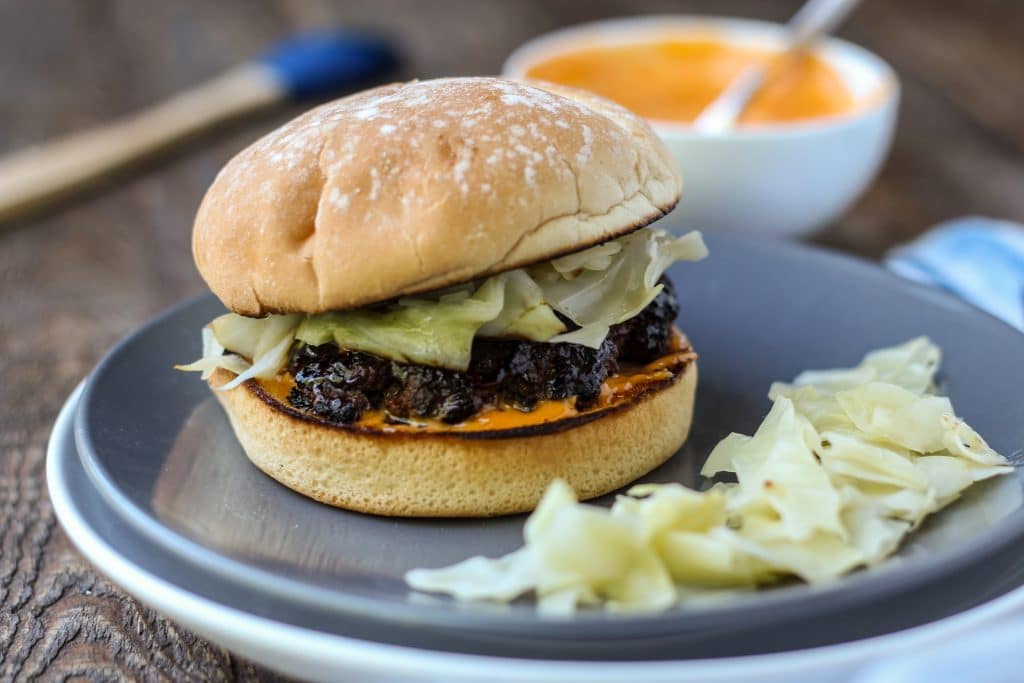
595,288
424,331
843,467
231,340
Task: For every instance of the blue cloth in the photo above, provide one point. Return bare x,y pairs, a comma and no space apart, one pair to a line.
981,260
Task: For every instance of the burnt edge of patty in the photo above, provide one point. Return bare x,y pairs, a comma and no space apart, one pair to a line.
641,393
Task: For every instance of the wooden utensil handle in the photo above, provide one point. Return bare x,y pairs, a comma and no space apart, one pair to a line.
37,175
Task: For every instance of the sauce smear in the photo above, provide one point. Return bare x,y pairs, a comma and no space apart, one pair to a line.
674,80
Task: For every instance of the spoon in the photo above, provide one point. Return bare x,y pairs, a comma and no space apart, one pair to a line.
815,19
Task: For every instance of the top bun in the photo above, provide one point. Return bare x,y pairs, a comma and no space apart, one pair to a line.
417,186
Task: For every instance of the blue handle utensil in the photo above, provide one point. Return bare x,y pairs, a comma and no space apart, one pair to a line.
321,63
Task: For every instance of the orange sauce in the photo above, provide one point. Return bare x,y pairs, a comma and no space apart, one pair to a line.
616,388
674,80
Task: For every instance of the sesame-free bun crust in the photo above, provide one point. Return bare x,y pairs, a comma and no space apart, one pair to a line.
430,474
411,187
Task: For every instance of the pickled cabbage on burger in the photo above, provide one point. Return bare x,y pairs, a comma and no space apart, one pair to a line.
445,294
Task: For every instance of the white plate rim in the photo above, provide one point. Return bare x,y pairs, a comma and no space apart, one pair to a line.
304,652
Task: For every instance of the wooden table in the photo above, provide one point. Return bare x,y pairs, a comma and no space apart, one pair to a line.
74,282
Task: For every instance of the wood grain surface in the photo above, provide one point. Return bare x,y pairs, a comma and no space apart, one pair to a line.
75,281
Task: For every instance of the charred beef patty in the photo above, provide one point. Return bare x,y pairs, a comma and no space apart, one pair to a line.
340,385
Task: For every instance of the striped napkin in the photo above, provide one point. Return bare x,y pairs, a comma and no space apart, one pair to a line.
981,260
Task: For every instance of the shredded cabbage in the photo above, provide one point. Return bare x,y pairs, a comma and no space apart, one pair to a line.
524,313
597,298
844,466
911,365
415,330
595,258
595,288
779,475
267,340
214,357
893,415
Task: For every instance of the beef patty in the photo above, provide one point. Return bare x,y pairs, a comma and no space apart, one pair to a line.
339,385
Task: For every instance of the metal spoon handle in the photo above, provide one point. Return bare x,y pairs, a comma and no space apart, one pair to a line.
815,19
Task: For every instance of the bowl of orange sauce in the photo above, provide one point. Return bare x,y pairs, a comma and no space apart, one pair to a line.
806,146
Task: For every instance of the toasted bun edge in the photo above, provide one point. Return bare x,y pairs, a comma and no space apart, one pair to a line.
440,475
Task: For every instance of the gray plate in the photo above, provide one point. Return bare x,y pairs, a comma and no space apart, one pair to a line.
78,503
161,454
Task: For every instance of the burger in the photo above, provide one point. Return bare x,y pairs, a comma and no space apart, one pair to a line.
445,294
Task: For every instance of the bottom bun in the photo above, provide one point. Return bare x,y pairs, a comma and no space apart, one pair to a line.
452,474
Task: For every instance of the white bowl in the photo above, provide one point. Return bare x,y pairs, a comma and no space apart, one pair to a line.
782,179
